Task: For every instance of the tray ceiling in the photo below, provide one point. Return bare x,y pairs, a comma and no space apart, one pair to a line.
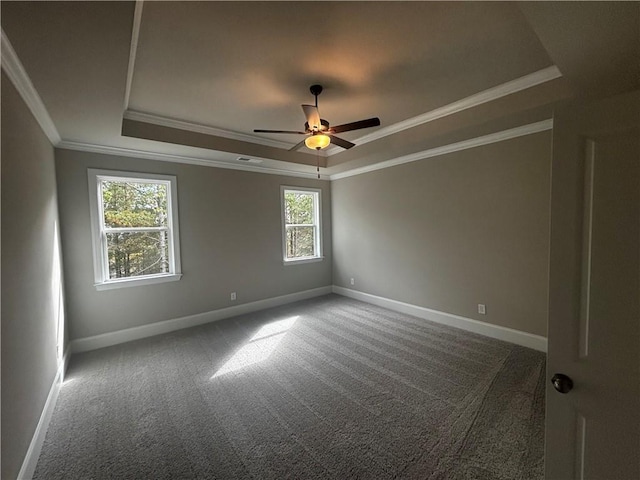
193,79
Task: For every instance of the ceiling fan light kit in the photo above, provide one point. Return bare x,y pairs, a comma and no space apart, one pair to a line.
317,141
319,132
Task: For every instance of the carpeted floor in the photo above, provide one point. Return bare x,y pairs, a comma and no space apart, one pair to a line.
328,388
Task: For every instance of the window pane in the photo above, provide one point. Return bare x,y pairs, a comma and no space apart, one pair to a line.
298,208
300,242
133,254
131,204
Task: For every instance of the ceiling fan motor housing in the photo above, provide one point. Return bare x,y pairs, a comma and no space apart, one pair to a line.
324,126
320,134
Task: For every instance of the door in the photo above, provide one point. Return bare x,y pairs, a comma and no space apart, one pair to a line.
593,430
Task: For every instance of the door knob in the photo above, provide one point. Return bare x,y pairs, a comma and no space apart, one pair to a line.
562,383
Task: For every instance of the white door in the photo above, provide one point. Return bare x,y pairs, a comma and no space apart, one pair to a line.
593,430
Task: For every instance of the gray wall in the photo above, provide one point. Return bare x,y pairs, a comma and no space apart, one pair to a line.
230,238
30,281
450,232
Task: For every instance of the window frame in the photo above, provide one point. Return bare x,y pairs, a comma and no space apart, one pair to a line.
317,214
99,233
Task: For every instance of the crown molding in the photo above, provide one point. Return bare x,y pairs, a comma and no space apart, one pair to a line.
18,75
204,162
453,147
503,135
133,50
494,93
199,128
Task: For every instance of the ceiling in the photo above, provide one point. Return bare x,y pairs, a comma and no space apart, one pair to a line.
189,81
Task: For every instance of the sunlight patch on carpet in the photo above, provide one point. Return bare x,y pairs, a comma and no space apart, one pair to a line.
260,346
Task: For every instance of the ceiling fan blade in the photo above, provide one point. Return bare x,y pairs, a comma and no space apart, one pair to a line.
297,146
347,127
313,117
279,131
341,142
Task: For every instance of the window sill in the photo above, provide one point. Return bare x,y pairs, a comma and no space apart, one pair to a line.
136,282
299,261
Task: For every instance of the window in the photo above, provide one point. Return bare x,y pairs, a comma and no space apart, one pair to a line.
134,224
302,235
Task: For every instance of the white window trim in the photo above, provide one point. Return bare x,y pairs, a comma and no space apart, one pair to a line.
98,237
317,221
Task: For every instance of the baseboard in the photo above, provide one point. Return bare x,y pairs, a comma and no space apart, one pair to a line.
33,452
152,329
511,335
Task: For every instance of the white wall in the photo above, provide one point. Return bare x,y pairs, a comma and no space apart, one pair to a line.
450,232
31,277
231,241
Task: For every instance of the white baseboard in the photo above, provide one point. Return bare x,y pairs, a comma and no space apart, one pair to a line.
152,329
33,452
511,335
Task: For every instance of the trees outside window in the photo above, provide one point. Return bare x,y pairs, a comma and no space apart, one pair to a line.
134,223
301,224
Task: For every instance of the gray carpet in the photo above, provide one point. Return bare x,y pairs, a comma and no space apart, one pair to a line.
325,388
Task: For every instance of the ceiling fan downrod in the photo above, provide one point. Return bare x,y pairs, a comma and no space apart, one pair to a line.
315,91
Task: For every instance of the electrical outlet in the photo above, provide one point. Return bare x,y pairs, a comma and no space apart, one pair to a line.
352,281
233,295
482,309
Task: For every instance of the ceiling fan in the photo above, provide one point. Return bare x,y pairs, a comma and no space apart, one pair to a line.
319,132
